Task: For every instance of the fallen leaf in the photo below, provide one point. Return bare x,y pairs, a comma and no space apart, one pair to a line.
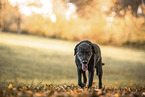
143,93
10,86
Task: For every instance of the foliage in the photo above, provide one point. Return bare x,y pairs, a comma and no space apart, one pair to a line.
50,90
85,6
10,16
122,6
90,21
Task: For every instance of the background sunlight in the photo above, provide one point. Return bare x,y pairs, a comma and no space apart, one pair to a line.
44,7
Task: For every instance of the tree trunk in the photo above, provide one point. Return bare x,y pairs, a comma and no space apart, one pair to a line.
1,21
19,24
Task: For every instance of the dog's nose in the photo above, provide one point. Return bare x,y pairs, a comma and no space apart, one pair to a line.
85,61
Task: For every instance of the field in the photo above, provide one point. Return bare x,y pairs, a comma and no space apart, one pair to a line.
37,60
30,58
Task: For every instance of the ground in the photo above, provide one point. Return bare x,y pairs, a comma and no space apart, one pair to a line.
31,59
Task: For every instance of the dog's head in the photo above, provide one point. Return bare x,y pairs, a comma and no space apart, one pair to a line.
84,50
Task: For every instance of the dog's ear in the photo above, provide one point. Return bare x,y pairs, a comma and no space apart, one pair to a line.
75,49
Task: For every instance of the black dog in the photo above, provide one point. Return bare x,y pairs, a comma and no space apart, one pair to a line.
88,57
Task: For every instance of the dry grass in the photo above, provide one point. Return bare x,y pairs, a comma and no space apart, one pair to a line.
26,58
50,90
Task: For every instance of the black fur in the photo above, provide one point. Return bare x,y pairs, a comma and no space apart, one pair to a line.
96,53
86,41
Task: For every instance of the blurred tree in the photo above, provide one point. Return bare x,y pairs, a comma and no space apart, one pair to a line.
5,13
58,15
143,9
121,6
18,19
85,8
1,10
10,18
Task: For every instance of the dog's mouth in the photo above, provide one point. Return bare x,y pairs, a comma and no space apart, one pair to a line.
84,67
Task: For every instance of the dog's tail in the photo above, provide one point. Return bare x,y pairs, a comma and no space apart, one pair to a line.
103,63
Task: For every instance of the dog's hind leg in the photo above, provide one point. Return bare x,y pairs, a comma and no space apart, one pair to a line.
99,73
100,81
100,77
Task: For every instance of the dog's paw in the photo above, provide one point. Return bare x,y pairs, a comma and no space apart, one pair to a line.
82,85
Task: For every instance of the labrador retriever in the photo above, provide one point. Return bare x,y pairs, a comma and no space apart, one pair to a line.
88,57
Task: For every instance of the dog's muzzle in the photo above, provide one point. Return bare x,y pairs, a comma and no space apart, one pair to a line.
85,61
84,65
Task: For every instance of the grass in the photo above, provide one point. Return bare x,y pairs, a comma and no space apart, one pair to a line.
31,59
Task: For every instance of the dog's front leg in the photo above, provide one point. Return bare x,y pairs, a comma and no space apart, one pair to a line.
91,75
80,78
84,77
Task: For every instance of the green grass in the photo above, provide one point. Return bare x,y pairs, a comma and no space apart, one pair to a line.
27,59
